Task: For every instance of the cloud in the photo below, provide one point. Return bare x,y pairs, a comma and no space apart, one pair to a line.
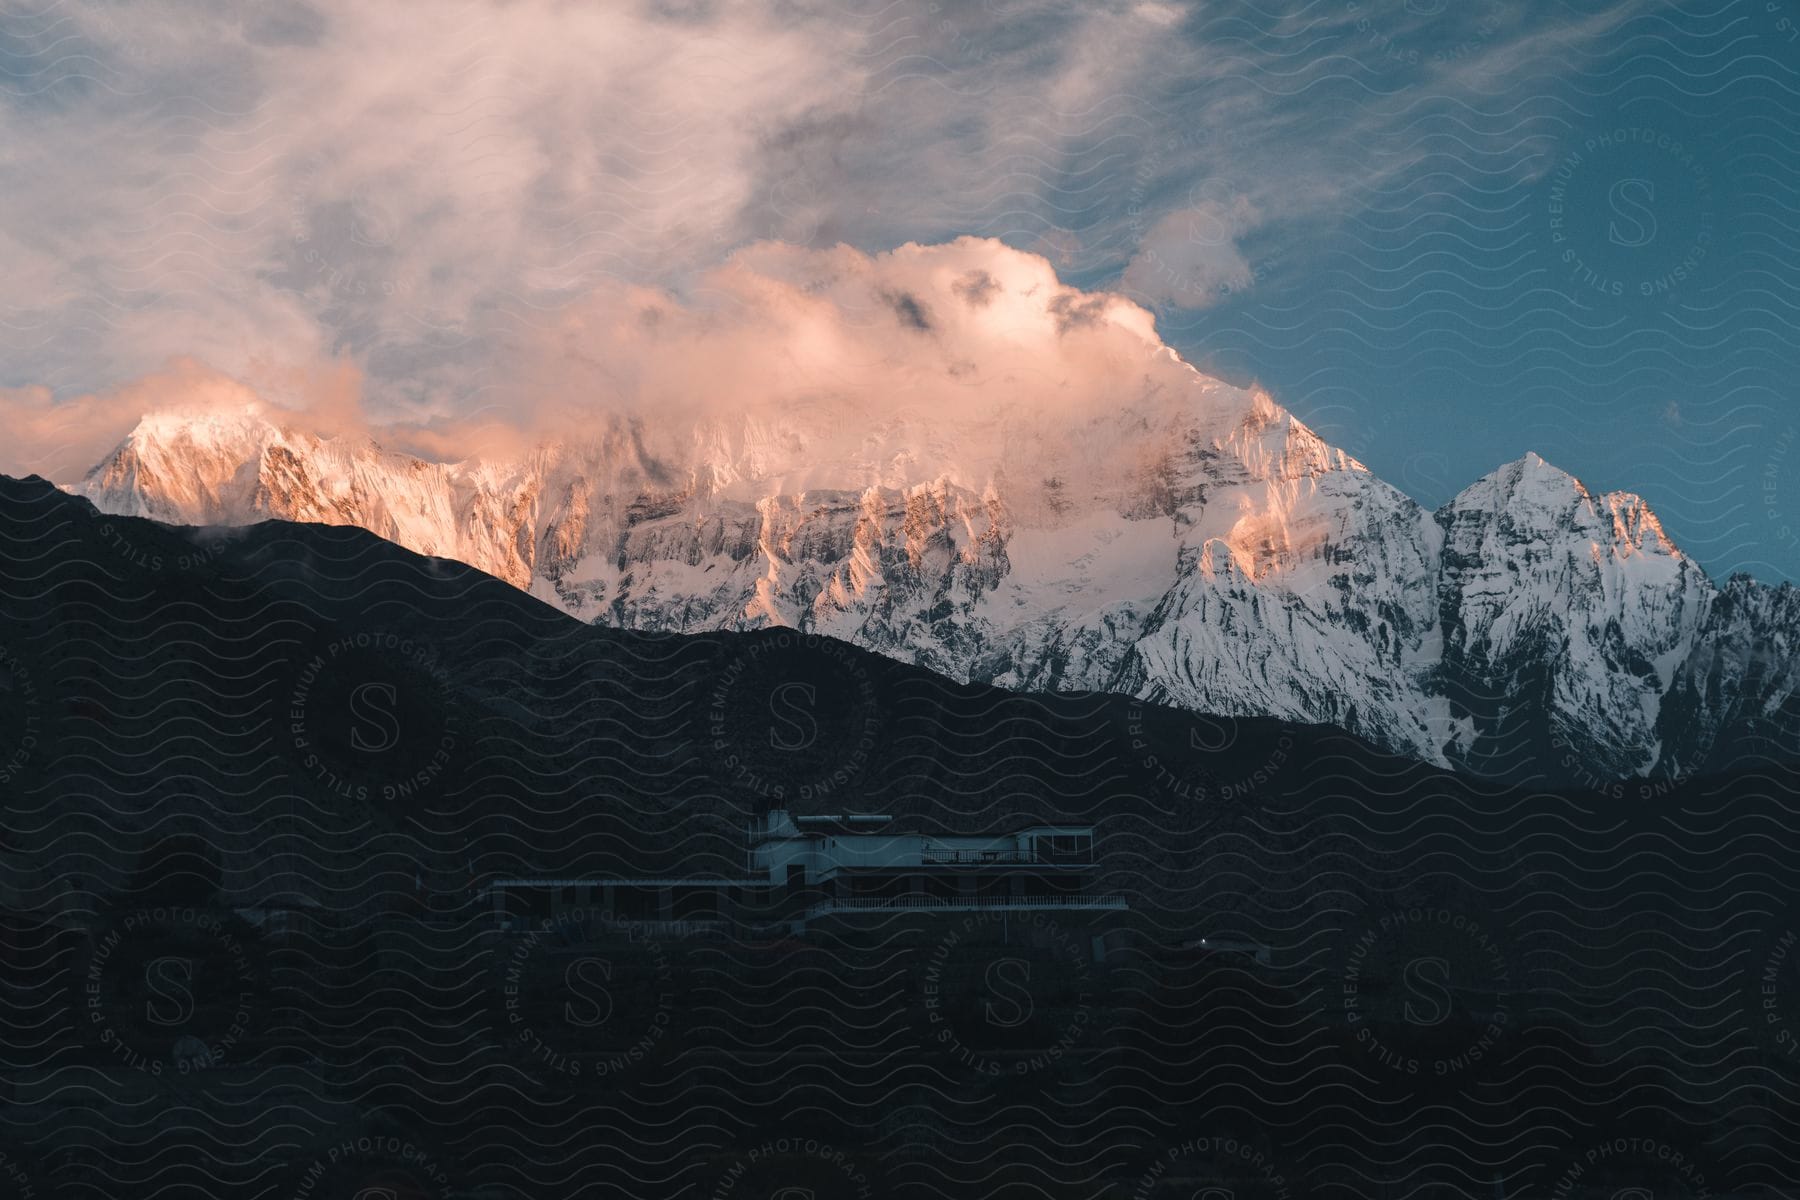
278,184
911,312
977,288
271,180
777,338
788,357
779,325
1189,258
62,439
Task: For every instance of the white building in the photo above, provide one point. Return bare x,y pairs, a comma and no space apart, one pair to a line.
805,868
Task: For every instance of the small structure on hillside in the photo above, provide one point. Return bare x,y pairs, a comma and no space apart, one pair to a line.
800,869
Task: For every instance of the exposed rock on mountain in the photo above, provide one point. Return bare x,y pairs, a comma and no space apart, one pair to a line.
946,455
1212,554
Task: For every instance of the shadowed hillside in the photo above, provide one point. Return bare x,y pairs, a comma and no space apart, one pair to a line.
256,783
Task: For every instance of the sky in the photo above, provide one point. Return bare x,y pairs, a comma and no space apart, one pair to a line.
1441,232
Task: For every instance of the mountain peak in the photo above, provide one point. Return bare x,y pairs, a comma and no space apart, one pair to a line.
204,426
1532,473
1199,545
1532,494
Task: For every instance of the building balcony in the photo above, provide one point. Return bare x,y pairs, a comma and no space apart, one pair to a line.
973,858
967,904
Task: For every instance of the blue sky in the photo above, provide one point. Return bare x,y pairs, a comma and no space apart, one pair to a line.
1595,258
1443,232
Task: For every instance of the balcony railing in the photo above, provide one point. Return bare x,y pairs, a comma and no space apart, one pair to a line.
931,857
965,904
1040,857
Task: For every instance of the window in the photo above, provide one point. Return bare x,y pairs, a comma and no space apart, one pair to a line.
1064,846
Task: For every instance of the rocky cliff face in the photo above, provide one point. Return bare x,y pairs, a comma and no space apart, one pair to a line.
1198,546
1565,616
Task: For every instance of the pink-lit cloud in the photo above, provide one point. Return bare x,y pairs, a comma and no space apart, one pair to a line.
971,344
279,183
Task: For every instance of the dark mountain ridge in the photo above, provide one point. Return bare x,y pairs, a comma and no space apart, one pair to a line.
299,753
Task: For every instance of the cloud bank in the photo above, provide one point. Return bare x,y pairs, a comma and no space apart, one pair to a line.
274,186
942,338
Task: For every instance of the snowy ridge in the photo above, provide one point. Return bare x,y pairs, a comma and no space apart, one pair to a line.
1199,546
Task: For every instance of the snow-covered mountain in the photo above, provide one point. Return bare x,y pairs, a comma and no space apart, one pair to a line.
1198,546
